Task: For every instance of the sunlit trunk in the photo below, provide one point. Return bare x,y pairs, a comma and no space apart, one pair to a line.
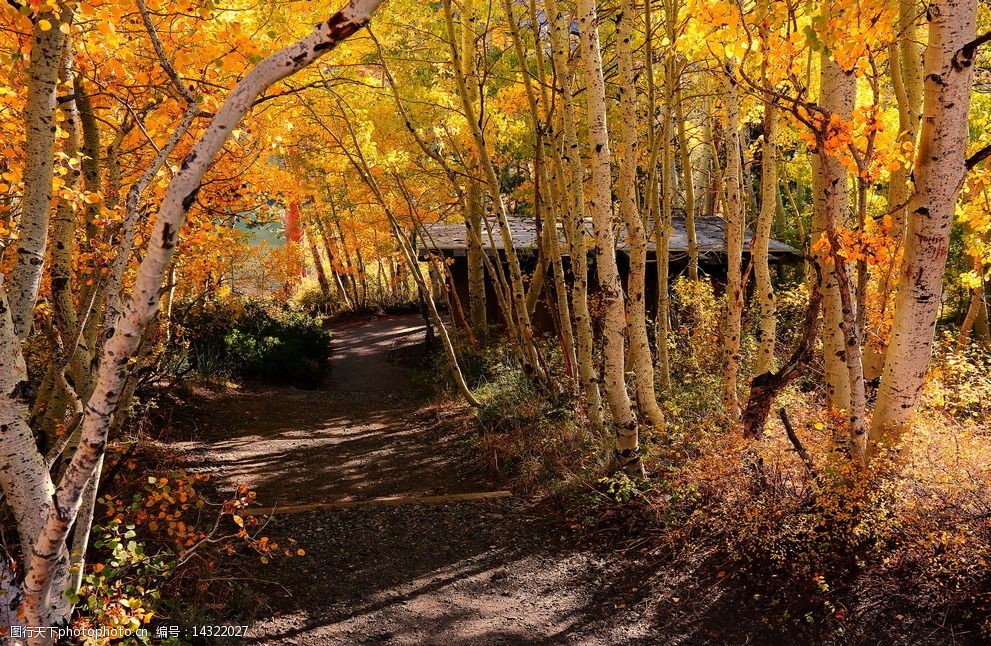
939,173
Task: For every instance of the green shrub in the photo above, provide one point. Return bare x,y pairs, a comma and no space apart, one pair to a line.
254,341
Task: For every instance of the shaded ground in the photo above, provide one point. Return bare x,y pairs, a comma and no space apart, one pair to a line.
492,572
359,437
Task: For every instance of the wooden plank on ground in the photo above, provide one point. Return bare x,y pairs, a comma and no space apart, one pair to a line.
383,500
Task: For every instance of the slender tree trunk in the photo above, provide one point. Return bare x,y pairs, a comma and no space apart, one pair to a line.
688,179
626,454
39,166
707,171
90,149
663,227
767,332
939,173
973,309
641,361
318,264
349,275
24,477
733,308
905,56
61,274
473,191
574,223
830,208
982,327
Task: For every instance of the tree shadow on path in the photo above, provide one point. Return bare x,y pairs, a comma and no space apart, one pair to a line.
484,572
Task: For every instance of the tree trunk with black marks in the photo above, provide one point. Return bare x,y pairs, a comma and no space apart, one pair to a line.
732,325
626,452
939,173
39,166
143,303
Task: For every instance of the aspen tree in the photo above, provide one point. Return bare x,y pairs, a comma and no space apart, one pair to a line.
830,207
627,443
905,64
734,215
48,545
767,332
689,180
842,345
47,47
473,192
905,58
940,167
641,361
663,224
574,223
311,243
974,308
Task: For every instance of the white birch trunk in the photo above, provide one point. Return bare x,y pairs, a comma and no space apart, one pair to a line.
473,191
830,208
939,173
24,477
39,166
144,302
767,331
641,361
689,179
733,308
627,443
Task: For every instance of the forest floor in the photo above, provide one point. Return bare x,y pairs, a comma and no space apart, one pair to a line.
500,571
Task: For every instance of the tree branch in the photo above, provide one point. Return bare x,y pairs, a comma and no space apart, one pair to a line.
803,454
162,57
978,157
964,57
766,387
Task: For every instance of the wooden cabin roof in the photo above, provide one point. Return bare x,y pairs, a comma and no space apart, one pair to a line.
451,238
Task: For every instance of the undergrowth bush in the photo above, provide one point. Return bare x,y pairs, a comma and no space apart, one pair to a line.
157,540
819,545
255,341
534,435
959,381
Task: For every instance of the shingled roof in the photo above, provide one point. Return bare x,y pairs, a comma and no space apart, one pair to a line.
451,238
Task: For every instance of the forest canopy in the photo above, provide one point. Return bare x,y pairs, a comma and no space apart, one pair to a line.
745,245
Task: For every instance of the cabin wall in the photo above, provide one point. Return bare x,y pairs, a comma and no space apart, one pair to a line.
543,318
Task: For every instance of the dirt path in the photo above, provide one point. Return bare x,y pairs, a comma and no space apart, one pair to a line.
360,437
489,572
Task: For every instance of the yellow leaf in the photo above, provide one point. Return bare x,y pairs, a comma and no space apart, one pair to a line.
44,25
238,520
